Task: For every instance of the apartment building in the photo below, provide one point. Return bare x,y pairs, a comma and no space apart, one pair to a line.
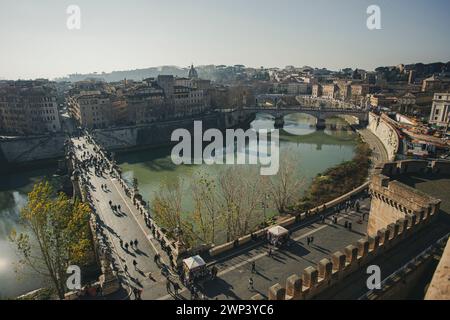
91,109
28,108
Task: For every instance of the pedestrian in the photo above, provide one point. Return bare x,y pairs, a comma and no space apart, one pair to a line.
270,251
118,207
214,272
250,284
176,287
131,243
308,241
125,268
350,226
253,266
312,239
134,263
135,243
126,246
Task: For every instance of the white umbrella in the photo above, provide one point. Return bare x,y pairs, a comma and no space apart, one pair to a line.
194,262
278,231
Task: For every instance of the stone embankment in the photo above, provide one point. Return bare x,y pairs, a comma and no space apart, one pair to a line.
386,132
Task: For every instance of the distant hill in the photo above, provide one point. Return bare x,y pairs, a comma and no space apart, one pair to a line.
137,74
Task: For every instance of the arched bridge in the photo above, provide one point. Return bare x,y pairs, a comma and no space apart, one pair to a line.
321,114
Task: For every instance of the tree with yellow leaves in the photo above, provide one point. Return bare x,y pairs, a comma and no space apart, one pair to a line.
59,235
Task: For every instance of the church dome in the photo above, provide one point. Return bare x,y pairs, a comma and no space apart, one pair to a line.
192,72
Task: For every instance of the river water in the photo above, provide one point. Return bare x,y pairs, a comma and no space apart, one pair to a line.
316,151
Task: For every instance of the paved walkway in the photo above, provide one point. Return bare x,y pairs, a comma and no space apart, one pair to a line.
125,225
235,267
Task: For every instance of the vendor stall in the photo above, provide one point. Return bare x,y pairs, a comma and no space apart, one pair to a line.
194,268
278,236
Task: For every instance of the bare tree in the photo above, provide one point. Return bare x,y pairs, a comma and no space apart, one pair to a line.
166,205
242,191
285,187
206,205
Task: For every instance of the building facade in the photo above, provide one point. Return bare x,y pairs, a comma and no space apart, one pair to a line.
440,110
28,108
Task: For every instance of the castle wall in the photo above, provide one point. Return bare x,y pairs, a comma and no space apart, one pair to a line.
329,272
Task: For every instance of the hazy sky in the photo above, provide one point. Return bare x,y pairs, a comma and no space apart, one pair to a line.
120,35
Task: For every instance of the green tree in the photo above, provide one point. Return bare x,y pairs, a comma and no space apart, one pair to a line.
59,235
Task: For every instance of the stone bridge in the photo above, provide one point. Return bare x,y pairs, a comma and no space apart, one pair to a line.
321,114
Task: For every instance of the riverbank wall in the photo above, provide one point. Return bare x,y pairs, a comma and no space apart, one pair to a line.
151,135
24,151
35,151
386,133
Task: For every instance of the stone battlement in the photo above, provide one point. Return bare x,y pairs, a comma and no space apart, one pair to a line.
405,211
331,271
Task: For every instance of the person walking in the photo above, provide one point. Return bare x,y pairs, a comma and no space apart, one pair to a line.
250,284
135,263
253,267
126,246
312,239
176,287
136,243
